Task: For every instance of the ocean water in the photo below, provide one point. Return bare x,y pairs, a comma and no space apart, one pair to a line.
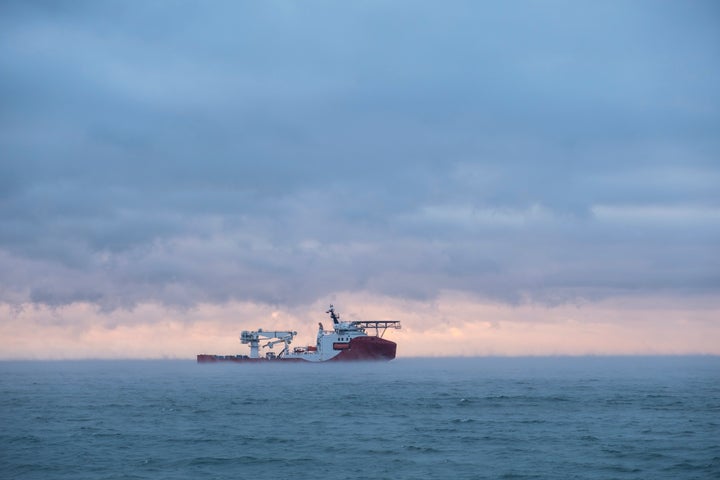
471,418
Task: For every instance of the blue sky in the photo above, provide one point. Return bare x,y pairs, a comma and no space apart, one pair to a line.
278,153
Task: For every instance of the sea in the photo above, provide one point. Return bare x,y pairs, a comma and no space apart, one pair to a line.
411,418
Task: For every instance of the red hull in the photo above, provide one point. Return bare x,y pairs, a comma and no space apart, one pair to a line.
206,358
367,348
361,349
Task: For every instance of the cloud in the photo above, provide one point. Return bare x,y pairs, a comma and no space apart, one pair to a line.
188,154
450,325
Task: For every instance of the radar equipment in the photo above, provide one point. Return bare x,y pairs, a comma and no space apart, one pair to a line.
335,317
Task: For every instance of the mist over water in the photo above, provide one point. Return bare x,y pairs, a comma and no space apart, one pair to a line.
469,418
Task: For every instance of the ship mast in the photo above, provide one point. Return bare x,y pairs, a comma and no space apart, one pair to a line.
335,317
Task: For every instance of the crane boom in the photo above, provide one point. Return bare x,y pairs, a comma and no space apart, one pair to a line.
253,338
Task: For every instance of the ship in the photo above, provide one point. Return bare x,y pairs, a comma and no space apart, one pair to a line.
347,341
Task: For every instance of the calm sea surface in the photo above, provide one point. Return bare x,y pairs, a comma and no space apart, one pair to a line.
584,418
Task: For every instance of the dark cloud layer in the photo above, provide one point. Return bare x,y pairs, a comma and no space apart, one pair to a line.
281,151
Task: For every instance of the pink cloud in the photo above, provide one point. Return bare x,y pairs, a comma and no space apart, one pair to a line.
451,325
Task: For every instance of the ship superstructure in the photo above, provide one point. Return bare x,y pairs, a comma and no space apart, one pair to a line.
348,340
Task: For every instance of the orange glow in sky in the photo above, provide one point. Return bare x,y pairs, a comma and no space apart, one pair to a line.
450,326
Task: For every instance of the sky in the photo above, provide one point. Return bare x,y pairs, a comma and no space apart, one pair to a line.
504,178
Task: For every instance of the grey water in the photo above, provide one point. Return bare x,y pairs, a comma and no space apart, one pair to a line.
458,418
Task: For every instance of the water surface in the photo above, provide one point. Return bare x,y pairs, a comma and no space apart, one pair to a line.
477,418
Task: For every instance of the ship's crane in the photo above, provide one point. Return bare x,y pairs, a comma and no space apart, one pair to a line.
253,338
